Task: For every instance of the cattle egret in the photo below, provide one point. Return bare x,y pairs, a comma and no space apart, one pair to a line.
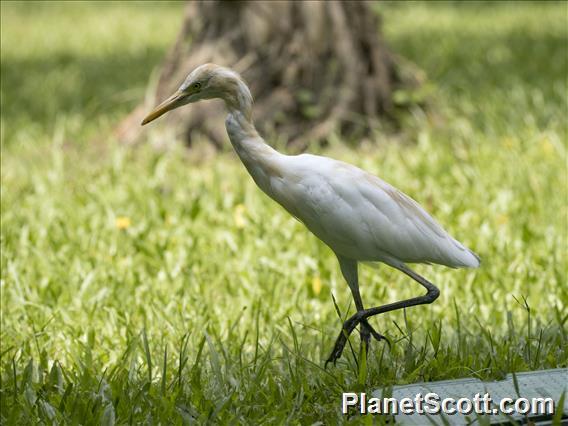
359,216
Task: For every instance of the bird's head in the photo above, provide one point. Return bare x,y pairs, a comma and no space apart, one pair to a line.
208,81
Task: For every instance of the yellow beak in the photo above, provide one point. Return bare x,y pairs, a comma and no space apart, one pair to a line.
171,103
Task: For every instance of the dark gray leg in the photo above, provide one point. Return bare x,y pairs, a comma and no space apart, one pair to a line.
362,315
351,275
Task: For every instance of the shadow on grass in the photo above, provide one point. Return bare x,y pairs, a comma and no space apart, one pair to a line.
495,74
40,90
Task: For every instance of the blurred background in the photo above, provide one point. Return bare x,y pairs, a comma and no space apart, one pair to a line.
145,277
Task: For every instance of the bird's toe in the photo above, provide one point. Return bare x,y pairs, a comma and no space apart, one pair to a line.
376,335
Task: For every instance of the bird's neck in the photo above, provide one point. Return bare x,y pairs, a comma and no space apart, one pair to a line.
238,99
261,160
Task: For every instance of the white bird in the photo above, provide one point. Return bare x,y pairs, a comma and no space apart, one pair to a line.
359,216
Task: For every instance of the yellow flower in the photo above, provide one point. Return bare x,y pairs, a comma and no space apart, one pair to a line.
508,142
502,219
546,146
122,222
239,216
316,285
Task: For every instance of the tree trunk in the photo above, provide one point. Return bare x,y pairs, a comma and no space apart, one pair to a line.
313,68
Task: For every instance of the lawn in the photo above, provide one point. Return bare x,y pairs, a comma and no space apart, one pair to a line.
147,286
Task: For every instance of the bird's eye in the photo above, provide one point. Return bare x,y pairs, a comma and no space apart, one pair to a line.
196,86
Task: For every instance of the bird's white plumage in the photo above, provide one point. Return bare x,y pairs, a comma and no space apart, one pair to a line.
362,217
358,215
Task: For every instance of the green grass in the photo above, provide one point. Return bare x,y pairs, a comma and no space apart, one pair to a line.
144,286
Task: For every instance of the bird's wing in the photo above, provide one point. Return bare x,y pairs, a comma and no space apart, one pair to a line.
418,237
361,216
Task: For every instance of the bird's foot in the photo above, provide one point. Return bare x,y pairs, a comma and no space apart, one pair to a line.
373,332
348,326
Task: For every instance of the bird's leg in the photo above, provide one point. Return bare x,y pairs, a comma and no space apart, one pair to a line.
362,315
350,273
